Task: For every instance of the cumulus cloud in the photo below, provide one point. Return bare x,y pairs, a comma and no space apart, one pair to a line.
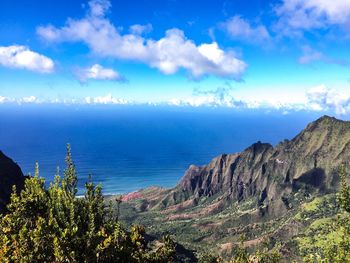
238,28
298,15
140,29
197,101
168,54
219,97
30,99
21,100
98,7
223,96
207,101
230,101
97,72
2,99
321,98
108,99
22,57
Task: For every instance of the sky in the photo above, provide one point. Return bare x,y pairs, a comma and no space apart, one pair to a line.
287,55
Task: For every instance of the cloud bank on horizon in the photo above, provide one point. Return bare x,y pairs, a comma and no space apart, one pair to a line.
233,49
319,99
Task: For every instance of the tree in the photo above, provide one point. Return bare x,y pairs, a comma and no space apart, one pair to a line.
340,252
241,255
337,250
54,225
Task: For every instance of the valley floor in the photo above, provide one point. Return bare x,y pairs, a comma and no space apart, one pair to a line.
201,228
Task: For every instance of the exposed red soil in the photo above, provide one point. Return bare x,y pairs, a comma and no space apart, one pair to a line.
131,196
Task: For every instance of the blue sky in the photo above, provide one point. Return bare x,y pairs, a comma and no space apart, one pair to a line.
285,55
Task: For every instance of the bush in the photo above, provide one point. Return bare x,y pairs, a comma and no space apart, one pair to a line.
337,250
53,225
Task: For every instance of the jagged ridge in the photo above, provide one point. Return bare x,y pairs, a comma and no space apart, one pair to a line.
271,174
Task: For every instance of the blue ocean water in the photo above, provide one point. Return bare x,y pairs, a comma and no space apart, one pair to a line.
131,147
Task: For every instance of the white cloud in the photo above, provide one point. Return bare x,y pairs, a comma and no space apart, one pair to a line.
97,72
321,98
203,100
21,100
335,11
229,101
30,99
108,99
23,58
240,29
99,7
311,55
298,15
220,97
168,54
140,29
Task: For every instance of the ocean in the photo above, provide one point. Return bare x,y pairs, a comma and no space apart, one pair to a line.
126,148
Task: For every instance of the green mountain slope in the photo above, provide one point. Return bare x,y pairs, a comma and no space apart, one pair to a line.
265,194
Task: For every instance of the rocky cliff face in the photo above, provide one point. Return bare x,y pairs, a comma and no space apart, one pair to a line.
10,174
263,194
270,174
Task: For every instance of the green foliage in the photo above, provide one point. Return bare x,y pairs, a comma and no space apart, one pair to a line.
336,238
344,195
54,225
209,258
241,255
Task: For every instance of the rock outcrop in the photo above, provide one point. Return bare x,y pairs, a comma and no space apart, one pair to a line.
10,174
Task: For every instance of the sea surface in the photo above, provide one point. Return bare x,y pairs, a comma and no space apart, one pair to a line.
131,147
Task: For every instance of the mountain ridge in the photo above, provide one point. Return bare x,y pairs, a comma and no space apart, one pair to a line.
268,171
262,192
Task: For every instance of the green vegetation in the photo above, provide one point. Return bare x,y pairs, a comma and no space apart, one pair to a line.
331,237
241,255
214,233
313,229
54,225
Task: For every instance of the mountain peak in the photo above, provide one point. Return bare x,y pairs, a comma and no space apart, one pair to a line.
267,172
326,118
325,122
